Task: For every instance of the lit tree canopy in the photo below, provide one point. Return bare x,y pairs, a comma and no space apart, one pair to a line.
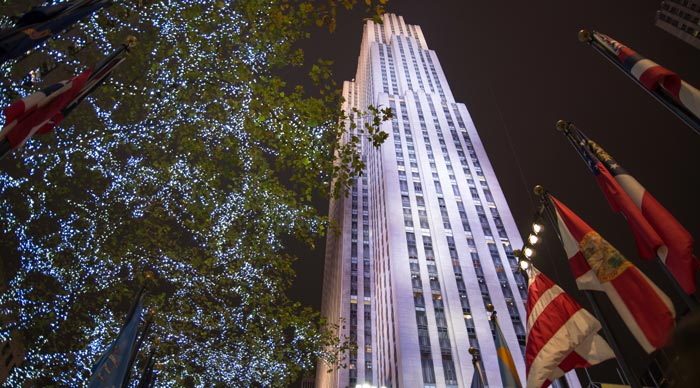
196,161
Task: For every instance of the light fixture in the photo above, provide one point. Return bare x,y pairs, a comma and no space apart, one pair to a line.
533,239
524,265
528,252
537,227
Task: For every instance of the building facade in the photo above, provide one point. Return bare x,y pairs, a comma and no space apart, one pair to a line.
681,18
425,238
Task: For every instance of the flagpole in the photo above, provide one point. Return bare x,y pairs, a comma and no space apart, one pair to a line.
576,141
663,98
476,361
631,378
689,302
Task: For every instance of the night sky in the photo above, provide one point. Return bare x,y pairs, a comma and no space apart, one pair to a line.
519,67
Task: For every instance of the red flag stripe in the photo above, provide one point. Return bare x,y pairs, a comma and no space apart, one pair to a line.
554,315
573,360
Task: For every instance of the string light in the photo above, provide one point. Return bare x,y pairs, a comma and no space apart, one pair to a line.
533,239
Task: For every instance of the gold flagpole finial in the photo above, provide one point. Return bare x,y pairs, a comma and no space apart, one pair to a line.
563,126
130,41
539,191
584,36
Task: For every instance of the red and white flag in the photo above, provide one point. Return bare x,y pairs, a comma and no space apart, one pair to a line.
561,335
652,75
597,265
41,111
677,249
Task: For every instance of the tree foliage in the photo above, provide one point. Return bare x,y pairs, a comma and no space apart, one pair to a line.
196,161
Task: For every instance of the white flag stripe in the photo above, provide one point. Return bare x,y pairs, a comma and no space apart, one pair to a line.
595,350
587,281
545,299
632,188
627,316
576,330
641,66
690,97
569,242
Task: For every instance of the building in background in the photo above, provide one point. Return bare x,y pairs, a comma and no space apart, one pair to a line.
425,238
681,18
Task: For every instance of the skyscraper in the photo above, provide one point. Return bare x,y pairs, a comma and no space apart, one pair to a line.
425,239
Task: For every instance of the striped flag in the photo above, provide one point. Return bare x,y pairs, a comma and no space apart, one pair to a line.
41,111
677,249
597,265
509,374
651,75
561,335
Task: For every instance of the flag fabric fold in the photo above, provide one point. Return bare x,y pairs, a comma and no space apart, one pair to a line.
113,367
649,243
42,111
509,374
677,251
561,334
41,23
652,75
646,310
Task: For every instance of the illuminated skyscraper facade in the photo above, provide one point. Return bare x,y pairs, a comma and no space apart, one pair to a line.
681,18
425,238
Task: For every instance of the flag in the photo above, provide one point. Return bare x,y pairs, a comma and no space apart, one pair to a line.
649,243
509,374
677,251
561,335
113,367
478,378
646,311
651,75
42,111
41,23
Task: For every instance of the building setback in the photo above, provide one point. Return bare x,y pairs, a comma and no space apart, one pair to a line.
425,238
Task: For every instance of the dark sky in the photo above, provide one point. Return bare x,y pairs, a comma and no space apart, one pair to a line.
519,67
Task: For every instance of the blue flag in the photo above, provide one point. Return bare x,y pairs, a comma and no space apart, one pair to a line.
477,379
509,374
41,23
112,368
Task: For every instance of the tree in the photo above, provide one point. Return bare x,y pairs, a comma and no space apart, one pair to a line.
196,161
